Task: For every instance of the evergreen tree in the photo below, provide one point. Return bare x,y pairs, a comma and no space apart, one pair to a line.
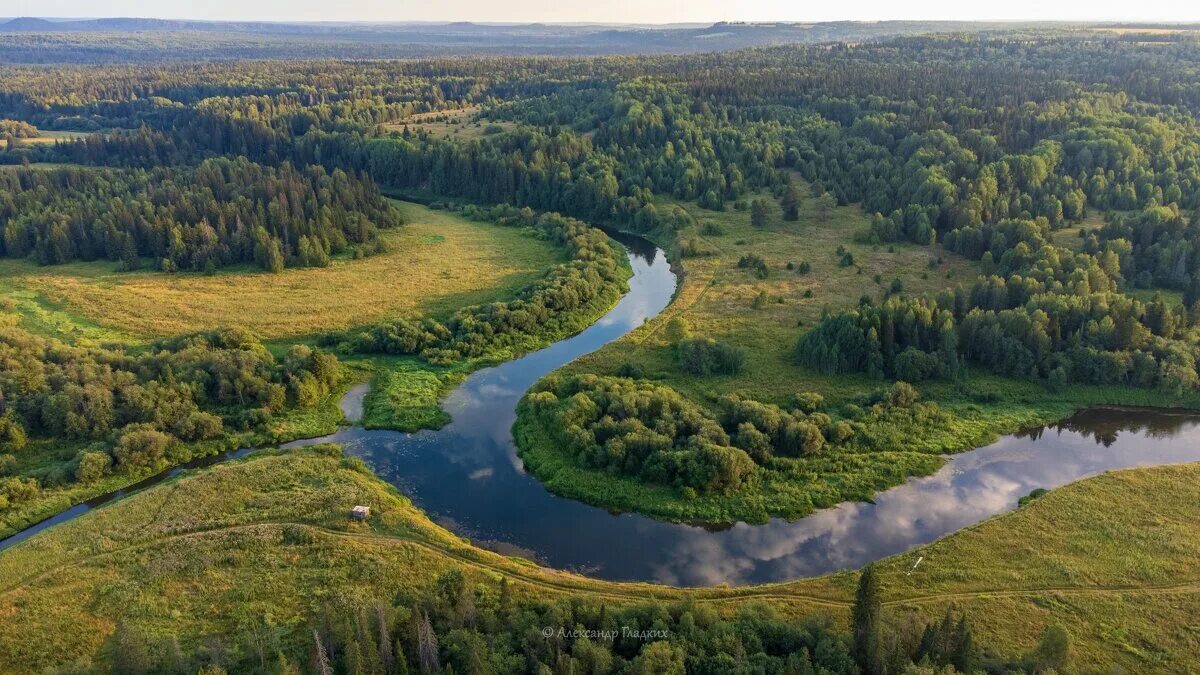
758,213
866,621
791,202
1053,652
964,654
129,654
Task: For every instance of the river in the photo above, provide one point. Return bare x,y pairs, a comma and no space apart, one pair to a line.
468,478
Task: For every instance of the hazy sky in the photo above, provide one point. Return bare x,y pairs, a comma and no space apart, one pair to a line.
622,11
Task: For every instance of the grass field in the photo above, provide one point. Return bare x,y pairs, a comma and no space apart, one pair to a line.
461,124
438,263
48,137
406,393
270,537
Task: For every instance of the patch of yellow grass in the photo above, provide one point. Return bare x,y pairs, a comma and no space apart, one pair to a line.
438,262
462,124
51,137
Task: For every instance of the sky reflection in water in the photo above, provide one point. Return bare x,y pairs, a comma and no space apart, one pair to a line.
468,478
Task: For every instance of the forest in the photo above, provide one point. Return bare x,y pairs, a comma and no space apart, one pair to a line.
1066,166
221,213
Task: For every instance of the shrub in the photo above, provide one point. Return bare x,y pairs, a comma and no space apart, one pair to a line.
1031,496
839,432
677,329
809,402
631,370
141,446
334,450
756,264
12,434
18,490
93,466
914,365
695,248
901,395
705,356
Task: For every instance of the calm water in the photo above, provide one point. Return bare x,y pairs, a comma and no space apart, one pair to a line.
468,478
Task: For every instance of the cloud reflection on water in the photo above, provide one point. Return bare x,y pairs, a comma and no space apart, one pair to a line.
468,475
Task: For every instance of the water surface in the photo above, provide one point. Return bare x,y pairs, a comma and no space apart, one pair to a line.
468,477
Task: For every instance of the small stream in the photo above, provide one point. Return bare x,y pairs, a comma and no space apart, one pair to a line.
468,478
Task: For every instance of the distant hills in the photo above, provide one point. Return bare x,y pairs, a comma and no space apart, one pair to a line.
40,40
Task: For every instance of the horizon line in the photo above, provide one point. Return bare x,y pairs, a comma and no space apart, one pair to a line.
584,23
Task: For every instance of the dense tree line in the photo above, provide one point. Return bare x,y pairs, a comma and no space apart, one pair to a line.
222,212
459,625
1158,247
139,411
555,304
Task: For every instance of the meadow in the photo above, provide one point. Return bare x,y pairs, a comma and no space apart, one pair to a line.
50,137
269,538
436,263
459,124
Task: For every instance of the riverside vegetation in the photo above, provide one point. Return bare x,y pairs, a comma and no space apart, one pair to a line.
80,421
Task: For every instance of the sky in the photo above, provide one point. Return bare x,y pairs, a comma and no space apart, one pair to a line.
611,11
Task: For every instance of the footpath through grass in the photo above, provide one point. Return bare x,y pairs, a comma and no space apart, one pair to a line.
269,536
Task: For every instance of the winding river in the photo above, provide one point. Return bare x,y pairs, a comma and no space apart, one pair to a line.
468,478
